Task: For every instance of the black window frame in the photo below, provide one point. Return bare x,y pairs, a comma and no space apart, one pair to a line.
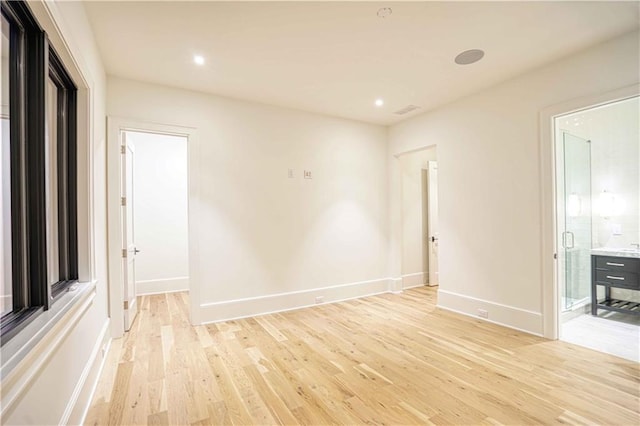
31,62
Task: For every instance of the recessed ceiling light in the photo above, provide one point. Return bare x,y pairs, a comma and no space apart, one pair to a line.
383,12
379,102
469,56
198,59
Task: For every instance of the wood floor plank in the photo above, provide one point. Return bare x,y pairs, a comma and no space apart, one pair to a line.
386,359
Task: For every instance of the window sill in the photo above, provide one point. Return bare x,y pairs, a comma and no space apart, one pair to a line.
26,352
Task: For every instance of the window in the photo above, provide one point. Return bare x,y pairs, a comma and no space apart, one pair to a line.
39,252
60,164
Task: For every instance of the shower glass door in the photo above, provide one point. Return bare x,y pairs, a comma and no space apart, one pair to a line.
576,239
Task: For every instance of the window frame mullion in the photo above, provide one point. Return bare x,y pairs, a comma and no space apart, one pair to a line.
17,129
37,63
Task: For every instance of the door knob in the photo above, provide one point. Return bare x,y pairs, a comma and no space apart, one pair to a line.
136,251
434,239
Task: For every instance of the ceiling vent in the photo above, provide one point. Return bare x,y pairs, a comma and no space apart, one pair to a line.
406,109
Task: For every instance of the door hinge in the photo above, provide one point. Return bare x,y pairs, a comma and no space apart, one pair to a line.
126,304
123,201
124,253
555,255
123,149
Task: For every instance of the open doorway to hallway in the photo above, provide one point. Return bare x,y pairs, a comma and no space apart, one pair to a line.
419,218
160,212
148,213
598,227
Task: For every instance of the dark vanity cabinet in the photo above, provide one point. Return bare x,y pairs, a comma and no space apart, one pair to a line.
618,272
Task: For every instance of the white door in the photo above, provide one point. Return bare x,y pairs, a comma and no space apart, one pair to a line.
432,219
130,251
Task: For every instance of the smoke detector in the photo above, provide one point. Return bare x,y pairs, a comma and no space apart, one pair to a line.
383,12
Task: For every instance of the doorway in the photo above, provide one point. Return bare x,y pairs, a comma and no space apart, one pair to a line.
149,235
419,171
597,154
160,214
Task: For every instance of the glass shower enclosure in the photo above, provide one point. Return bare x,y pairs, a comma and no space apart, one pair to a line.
573,162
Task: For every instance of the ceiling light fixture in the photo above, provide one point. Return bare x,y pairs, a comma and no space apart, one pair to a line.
379,102
469,56
383,12
198,59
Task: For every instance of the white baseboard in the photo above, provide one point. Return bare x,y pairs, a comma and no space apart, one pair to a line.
412,280
167,285
242,308
80,401
508,316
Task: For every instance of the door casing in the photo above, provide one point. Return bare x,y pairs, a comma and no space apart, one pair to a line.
115,126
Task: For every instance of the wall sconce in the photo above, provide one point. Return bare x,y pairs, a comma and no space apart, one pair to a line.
607,204
574,205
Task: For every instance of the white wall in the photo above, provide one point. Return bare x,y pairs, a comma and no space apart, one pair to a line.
60,388
160,212
261,233
489,180
413,234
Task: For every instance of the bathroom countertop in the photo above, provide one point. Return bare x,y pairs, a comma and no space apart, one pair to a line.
616,252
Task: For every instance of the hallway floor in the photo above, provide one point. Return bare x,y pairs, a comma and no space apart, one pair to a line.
383,359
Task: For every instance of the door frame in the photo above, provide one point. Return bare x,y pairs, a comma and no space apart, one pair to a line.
116,125
432,169
396,252
548,202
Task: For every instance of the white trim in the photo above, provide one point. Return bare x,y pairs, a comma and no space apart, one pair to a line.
413,280
262,305
85,388
165,285
114,179
549,287
25,364
105,351
507,316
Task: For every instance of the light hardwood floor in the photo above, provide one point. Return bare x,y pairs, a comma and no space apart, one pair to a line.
387,359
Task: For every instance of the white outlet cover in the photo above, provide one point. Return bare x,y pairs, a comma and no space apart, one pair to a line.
616,229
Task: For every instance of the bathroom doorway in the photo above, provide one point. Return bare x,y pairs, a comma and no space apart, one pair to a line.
597,156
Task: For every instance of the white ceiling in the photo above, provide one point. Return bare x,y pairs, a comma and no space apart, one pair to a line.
336,58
